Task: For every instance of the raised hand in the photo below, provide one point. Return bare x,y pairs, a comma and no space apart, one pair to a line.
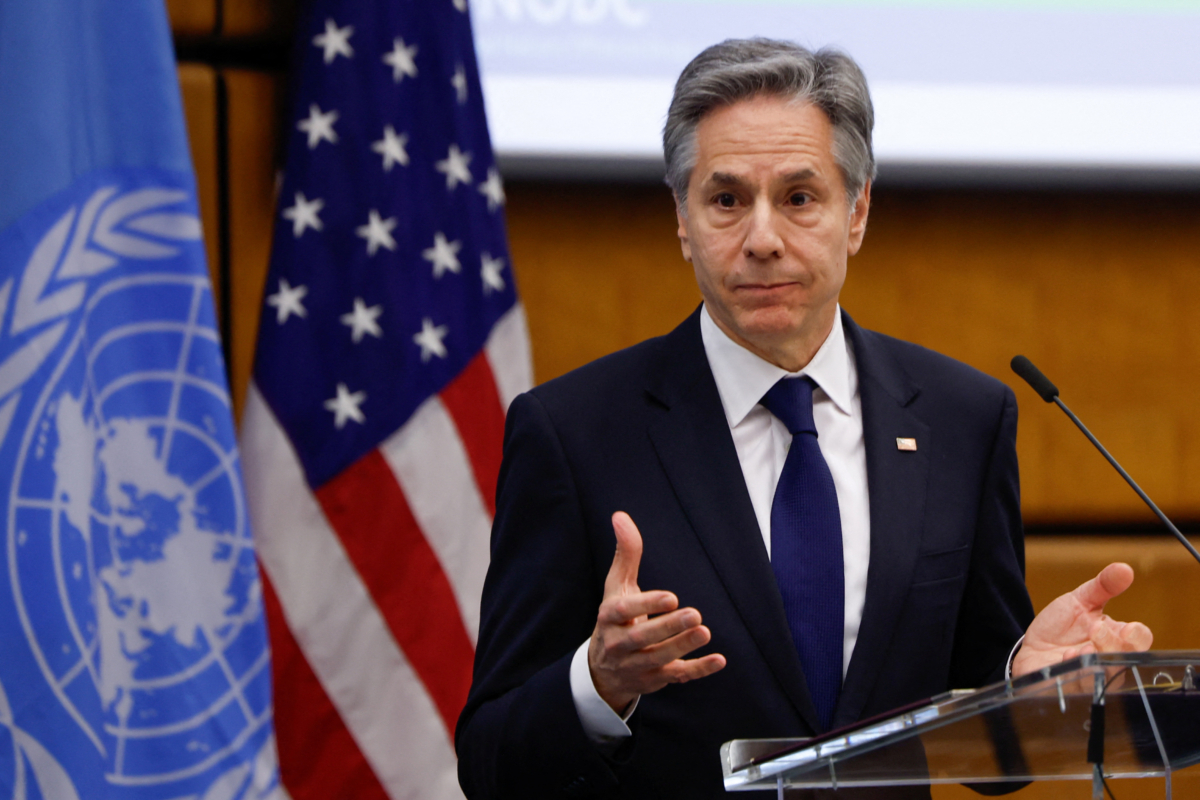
1075,624
641,637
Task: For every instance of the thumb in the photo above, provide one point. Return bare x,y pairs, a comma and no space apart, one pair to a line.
1112,580
622,575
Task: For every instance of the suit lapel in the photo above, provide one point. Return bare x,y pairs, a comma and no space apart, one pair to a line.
696,450
896,482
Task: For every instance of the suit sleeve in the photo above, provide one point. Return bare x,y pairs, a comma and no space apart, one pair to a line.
519,734
996,608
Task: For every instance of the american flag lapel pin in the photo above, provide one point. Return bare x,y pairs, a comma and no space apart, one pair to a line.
906,444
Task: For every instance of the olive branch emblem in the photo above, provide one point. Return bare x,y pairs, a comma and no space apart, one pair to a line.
85,241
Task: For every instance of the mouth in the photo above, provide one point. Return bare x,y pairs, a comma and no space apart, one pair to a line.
769,294
766,288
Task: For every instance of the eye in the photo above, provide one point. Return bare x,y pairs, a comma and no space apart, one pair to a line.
798,199
725,200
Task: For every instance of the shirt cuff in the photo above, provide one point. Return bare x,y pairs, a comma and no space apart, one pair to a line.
1007,666
600,723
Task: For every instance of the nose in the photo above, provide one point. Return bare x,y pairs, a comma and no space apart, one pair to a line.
762,233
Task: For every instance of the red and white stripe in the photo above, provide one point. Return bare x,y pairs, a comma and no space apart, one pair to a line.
373,584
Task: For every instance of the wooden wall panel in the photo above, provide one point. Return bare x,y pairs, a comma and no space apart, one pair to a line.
257,18
598,268
192,17
198,85
1097,288
1166,586
253,98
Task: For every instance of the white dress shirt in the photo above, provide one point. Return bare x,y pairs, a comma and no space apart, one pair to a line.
762,443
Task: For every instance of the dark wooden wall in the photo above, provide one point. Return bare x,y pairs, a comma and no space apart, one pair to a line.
1099,288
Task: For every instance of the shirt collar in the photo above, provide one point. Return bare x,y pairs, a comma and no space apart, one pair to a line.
743,378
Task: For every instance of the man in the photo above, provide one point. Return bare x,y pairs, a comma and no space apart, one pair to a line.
827,519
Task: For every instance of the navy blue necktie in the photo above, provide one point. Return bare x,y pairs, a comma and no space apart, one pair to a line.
806,546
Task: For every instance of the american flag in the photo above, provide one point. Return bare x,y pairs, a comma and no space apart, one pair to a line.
390,345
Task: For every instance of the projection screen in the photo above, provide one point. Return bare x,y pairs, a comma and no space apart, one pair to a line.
975,85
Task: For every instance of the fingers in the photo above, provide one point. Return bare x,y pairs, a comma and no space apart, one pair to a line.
622,575
655,631
683,671
1109,636
665,651
644,665
1137,638
624,609
1112,580
673,635
642,657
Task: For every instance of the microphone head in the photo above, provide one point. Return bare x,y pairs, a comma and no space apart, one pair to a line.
1034,377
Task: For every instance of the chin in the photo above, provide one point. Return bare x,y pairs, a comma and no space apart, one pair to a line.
770,324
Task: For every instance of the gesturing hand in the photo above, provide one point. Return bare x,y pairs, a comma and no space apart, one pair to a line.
1075,624
632,652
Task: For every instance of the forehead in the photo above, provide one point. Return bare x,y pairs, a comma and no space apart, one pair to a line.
764,133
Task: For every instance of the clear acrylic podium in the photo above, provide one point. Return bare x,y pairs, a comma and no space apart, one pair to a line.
1125,715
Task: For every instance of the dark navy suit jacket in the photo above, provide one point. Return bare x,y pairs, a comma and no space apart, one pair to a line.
643,431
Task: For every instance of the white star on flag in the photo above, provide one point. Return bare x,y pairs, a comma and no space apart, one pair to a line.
401,60
303,214
287,301
493,189
346,406
490,273
377,232
459,82
461,5
391,147
362,320
335,41
319,126
454,165
443,255
430,340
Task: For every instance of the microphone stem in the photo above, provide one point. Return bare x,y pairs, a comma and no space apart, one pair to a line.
1170,526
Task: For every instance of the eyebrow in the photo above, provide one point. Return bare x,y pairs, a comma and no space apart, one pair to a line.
725,179
729,179
799,175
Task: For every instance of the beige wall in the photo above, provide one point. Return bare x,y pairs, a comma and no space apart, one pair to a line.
1098,288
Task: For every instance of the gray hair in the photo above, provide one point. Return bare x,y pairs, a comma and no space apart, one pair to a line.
738,69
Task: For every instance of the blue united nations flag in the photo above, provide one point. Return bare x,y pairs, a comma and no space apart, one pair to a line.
133,654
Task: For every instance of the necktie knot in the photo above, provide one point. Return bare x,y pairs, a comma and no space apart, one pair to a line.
790,399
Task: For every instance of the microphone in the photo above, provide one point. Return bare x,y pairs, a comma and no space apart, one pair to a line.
1034,377
1049,392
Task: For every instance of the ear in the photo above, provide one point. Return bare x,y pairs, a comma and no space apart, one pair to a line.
858,219
681,218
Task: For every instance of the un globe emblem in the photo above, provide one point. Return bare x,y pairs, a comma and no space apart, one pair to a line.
126,499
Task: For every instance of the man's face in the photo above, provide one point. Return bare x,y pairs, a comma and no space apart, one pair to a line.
768,228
